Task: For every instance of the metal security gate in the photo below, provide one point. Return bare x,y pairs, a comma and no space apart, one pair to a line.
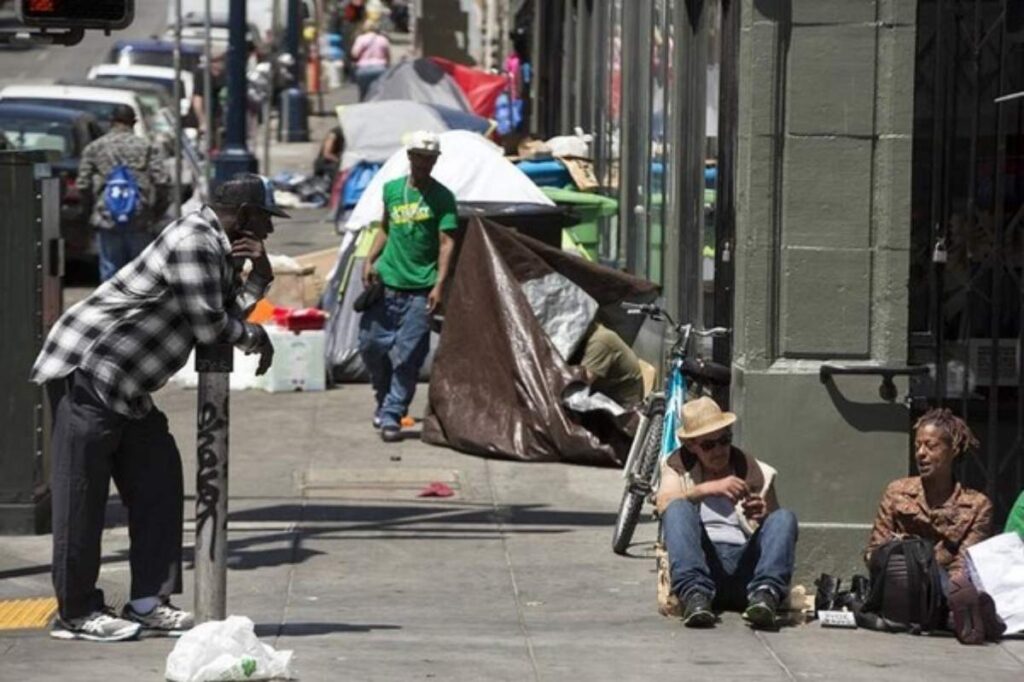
966,283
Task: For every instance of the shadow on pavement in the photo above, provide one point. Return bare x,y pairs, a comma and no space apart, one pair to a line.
314,629
249,550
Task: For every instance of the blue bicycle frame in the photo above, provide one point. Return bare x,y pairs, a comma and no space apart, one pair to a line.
675,394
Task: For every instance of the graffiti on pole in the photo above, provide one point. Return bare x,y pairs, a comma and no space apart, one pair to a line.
211,431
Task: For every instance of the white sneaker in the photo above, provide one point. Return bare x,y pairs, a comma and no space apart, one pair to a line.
165,620
98,626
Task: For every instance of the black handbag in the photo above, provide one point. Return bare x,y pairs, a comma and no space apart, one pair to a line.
369,297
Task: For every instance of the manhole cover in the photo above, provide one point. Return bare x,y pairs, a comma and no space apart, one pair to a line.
27,614
375,483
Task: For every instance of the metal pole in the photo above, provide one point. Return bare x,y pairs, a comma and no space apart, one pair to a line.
214,365
268,104
210,131
177,109
234,157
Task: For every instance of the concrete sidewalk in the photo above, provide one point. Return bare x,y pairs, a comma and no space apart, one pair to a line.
333,555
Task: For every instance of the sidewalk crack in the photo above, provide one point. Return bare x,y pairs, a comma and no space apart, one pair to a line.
775,656
1011,654
520,613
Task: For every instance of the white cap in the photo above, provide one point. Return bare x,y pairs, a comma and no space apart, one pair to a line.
423,142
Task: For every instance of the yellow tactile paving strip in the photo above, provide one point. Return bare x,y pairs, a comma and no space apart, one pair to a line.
27,614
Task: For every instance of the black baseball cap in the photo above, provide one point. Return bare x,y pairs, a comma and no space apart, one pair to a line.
251,190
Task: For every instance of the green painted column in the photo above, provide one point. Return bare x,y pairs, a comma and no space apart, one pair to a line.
823,163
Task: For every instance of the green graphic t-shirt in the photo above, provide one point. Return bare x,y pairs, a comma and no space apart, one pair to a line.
415,220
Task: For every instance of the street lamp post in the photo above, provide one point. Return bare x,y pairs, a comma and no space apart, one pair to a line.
234,157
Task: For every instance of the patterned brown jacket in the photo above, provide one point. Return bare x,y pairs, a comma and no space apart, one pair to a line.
963,520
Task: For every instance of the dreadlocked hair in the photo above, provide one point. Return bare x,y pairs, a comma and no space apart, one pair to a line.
960,436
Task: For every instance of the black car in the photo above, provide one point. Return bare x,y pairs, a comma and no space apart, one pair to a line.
66,132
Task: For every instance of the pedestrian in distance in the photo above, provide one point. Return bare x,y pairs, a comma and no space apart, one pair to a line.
100,363
409,259
124,179
371,53
730,545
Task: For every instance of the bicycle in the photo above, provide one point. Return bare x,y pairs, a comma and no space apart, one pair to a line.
655,437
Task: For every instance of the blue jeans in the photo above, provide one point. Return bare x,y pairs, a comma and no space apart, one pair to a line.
118,248
394,339
365,76
728,573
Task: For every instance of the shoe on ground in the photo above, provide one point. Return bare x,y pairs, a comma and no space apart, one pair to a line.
165,620
762,609
98,626
697,611
390,433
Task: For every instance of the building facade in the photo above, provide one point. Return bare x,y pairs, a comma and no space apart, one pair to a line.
838,181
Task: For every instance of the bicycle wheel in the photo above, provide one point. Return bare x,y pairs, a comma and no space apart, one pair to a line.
633,496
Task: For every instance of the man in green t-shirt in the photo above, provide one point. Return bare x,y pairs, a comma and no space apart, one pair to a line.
410,256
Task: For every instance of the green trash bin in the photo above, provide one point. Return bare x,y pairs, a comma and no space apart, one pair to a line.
589,208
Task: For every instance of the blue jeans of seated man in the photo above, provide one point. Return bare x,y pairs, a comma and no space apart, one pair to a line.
394,339
728,573
117,248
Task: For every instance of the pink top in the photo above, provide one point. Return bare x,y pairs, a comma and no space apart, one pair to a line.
372,49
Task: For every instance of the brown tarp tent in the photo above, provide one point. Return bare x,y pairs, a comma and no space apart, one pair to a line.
498,379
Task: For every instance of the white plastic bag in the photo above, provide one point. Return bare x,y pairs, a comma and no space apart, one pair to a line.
997,567
223,650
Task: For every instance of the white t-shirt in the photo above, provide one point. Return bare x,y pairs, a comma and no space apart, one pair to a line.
721,521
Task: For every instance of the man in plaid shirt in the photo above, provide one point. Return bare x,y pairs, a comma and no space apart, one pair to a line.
101,361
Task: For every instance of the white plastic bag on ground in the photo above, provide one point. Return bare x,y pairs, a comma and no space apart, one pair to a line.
224,650
997,567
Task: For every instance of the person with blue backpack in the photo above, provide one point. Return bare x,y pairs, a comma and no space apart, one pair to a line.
124,178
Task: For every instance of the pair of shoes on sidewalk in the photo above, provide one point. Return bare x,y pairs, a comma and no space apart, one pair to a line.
166,620
761,610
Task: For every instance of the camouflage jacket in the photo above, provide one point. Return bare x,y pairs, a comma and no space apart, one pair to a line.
146,161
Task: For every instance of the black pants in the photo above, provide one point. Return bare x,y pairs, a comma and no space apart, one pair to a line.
91,445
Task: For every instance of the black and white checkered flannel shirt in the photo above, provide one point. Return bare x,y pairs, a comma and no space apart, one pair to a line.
137,329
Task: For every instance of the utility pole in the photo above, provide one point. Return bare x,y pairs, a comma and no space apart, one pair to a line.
209,133
234,156
177,109
214,365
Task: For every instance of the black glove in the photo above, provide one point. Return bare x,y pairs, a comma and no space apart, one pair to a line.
255,340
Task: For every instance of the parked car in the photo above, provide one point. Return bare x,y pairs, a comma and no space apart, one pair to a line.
154,53
98,101
156,104
66,132
157,75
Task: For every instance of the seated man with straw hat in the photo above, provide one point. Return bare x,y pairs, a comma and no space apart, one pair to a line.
729,544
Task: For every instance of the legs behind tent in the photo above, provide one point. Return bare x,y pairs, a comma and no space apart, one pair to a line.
394,338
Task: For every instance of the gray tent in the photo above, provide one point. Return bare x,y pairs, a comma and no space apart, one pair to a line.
419,80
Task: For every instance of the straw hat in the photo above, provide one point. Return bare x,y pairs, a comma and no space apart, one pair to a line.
703,416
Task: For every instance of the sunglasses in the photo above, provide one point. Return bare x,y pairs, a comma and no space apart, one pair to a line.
710,443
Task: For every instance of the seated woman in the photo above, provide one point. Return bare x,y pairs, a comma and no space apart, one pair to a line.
729,543
934,505
328,160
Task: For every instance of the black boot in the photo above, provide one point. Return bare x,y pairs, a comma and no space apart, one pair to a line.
697,611
761,609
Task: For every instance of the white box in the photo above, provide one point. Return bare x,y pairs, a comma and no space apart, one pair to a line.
298,361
